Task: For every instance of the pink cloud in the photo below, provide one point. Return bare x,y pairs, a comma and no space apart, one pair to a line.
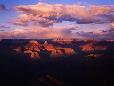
39,21
33,32
112,24
48,14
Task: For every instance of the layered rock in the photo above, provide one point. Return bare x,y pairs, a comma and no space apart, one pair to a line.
88,47
34,43
69,51
36,50
91,47
32,49
46,43
32,54
56,53
49,47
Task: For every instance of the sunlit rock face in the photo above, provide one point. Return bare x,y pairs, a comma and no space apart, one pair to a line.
88,47
69,51
50,47
33,46
32,49
31,54
36,50
91,47
33,43
56,53
46,43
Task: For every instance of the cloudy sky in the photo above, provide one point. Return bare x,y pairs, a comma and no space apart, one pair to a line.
24,19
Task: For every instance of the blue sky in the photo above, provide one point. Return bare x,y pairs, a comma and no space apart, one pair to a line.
82,1
8,14
11,3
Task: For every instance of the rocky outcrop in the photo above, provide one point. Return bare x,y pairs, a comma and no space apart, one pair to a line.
49,47
36,50
32,54
69,51
46,42
34,43
32,49
91,47
88,47
56,53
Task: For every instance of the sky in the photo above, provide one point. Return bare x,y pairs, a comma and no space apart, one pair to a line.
38,19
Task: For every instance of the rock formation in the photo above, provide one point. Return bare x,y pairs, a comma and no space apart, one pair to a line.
91,47
32,54
46,43
56,53
36,50
69,51
32,49
33,43
88,47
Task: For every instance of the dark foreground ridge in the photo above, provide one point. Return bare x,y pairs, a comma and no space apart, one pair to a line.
56,62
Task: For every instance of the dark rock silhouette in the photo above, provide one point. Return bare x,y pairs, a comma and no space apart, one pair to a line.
31,63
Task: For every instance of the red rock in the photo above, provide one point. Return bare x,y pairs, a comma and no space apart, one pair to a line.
69,51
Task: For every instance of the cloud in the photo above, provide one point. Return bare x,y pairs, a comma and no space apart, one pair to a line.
101,31
2,7
2,26
2,30
112,25
47,14
57,20
34,32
